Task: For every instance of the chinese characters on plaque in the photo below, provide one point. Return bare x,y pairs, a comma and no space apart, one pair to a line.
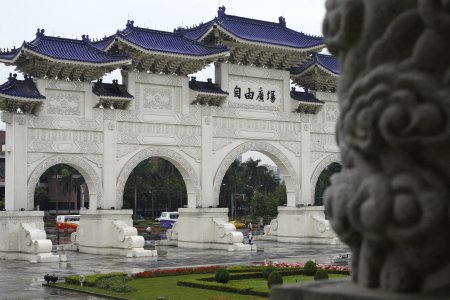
249,94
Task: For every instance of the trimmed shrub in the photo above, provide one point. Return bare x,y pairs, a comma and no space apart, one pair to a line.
267,270
274,278
310,268
222,275
91,280
116,284
321,275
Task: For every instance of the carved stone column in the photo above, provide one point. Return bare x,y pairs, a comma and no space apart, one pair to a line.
390,203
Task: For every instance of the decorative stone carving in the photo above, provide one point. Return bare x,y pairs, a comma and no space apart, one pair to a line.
63,103
219,143
294,147
123,150
89,174
332,112
34,157
157,98
390,203
194,152
21,120
66,85
191,178
275,154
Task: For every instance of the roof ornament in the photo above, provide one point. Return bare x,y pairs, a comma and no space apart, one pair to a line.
282,21
130,24
12,76
40,32
85,38
221,11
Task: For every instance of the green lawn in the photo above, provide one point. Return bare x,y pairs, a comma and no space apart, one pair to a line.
151,288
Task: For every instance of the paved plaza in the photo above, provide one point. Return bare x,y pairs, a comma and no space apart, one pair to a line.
22,280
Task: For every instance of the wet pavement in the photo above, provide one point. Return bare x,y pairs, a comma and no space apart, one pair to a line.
22,280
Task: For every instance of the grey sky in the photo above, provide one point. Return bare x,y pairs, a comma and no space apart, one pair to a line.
71,19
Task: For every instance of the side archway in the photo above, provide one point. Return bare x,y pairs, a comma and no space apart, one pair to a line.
275,154
190,177
77,162
325,162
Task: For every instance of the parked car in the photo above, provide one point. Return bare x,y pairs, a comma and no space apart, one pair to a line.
238,224
167,219
342,259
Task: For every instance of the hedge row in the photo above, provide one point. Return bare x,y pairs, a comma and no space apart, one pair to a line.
91,280
220,287
174,272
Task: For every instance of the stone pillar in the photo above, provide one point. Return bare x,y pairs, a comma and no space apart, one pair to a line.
390,202
305,165
22,234
207,174
109,160
16,162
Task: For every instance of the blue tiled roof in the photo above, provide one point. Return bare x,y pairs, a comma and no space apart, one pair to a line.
305,97
72,50
9,55
328,62
20,88
256,31
111,90
67,50
162,41
205,87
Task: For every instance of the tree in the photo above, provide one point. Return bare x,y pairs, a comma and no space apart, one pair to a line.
155,183
41,198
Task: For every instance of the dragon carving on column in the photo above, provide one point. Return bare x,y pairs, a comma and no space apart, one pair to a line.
390,203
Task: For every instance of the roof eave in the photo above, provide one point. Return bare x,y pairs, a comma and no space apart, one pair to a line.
247,41
76,62
178,55
7,97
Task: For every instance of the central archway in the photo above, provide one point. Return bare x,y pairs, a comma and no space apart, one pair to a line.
190,177
281,160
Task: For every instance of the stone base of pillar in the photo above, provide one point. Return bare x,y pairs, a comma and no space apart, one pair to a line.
109,232
206,228
340,290
306,225
22,237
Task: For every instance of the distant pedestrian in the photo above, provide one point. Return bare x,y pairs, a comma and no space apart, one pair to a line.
250,226
250,237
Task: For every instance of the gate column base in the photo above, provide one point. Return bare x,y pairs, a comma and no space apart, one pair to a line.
206,228
109,232
306,225
22,237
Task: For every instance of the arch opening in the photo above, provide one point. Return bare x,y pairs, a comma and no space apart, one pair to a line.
323,182
253,188
187,171
154,186
61,189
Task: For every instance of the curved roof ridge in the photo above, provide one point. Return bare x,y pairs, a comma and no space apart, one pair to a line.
178,34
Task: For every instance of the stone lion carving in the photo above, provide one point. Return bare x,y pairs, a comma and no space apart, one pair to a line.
390,203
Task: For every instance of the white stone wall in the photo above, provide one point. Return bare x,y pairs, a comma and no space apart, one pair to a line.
105,145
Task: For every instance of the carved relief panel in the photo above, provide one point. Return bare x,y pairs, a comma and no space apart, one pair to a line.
159,98
64,103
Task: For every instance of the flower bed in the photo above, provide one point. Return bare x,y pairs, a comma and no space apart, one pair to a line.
301,265
174,272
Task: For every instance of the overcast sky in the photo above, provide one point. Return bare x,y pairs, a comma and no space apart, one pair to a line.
20,19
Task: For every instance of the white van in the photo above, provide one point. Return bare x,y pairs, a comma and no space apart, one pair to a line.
167,219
